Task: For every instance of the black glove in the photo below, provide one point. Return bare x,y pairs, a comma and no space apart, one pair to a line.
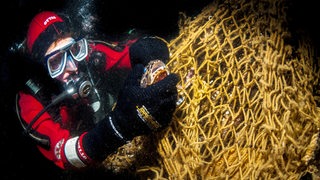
148,48
143,110
138,111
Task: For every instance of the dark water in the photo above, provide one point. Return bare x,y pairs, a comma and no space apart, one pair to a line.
20,159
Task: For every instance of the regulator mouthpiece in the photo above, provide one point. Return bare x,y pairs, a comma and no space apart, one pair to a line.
84,89
79,87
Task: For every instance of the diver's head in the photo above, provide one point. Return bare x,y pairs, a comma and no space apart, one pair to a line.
49,42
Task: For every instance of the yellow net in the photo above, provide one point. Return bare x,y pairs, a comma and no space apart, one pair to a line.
247,105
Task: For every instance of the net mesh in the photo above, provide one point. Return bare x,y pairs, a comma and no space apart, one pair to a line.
247,106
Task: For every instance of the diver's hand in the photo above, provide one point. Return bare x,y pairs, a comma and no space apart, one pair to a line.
143,110
147,49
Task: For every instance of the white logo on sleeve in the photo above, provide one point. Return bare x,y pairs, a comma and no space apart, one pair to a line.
57,149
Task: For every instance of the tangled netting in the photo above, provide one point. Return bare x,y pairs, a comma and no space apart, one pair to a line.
247,107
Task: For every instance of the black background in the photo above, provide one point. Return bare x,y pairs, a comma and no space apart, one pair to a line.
20,159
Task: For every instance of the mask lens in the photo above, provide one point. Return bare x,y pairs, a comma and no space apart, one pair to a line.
79,50
56,63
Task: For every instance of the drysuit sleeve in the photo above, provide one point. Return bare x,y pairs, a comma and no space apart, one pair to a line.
62,149
140,50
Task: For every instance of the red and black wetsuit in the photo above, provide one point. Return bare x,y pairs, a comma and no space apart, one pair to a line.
66,149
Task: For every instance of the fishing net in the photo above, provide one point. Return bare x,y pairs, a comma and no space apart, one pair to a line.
247,105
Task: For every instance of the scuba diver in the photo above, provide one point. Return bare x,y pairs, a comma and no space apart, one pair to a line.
90,101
